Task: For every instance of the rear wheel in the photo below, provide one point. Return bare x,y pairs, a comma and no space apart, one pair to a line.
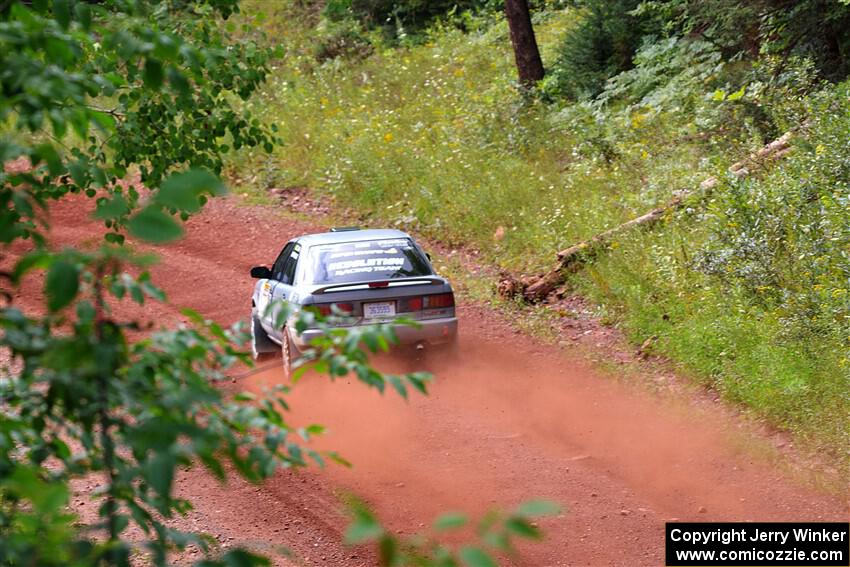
262,347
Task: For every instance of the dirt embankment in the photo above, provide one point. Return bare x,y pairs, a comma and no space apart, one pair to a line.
513,420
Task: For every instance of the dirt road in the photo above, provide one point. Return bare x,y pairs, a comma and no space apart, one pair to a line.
514,420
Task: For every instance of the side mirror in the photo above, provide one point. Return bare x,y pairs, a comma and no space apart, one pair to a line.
260,272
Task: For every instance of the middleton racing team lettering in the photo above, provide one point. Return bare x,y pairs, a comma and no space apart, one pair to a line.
366,257
364,265
350,262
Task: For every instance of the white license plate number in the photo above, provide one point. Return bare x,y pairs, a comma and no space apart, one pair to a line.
379,310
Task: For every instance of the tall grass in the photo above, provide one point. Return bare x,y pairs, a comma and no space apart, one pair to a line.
435,138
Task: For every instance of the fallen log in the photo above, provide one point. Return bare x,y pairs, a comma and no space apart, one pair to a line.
537,288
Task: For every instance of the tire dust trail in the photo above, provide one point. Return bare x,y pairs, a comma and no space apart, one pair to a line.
511,421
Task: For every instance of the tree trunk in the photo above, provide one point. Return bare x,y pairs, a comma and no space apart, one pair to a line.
527,55
537,288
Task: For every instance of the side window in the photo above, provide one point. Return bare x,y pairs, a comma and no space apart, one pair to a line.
290,265
277,268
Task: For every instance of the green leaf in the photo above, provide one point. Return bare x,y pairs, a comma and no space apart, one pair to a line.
121,522
182,190
315,429
399,386
79,119
52,497
112,208
243,558
83,13
338,459
48,153
534,508
178,81
737,94
137,295
62,284
363,530
153,225
388,550
103,120
522,527
419,380
114,238
62,12
450,521
475,557
78,173
154,74
30,261
160,473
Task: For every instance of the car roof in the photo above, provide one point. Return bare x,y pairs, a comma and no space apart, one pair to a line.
350,236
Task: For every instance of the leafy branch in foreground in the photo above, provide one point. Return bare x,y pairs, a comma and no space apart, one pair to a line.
341,350
94,92
495,534
90,95
83,399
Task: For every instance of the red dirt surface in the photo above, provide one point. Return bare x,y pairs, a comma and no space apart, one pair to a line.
512,421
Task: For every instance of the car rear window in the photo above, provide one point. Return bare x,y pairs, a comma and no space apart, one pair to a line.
353,262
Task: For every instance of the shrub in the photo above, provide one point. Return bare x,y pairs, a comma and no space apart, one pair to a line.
340,38
600,46
817,29
783,240
397,18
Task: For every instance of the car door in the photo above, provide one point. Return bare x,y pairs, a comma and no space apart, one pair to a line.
267,286
283,276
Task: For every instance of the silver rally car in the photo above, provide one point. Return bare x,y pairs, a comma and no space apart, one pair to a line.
370,275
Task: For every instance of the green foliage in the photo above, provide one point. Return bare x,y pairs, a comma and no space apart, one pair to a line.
341,38
101,88
91,94
668,74
469,157
396,18
495,535
751,294
601,45
80,396
798,212
815,29
609,35
472,156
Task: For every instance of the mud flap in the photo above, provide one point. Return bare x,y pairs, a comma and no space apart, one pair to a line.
261,344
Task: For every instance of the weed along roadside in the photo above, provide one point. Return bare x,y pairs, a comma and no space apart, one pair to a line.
742,287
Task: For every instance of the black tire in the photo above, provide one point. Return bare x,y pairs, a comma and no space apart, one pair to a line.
262,347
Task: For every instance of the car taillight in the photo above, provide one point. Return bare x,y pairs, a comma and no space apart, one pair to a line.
325,309
439,301
406,305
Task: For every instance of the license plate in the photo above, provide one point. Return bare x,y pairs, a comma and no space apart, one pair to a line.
379,310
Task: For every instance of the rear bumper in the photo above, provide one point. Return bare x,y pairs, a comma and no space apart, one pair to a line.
430,331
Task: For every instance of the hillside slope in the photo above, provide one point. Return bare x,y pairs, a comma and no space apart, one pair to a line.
747,290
